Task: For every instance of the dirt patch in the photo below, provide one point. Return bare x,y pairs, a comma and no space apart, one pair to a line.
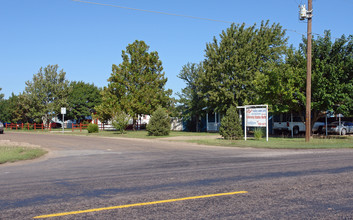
8,143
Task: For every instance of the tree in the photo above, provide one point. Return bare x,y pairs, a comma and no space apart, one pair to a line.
332,75
192,103
120,122
230,128
1,95
233,64
13,110
82,100
108,107
136,86
283,85
46,94
159,124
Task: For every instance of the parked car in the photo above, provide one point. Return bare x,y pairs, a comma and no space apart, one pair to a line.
285,122
55,125
317,127
1,128
335,128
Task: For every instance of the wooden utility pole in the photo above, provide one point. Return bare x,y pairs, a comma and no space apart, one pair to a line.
308,75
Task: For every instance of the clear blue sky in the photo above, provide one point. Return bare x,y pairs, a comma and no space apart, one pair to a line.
86,39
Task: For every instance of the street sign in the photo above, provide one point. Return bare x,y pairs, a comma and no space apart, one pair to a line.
63,111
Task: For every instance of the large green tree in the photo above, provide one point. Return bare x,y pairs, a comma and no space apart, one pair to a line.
137,85
332,75
191,103
234,62
82,100
46,94
283,85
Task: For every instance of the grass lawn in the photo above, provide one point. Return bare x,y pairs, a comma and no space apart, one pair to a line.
141,134
206,139
16,153
283,143
129,134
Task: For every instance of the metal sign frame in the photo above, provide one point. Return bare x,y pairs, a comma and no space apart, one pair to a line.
245,118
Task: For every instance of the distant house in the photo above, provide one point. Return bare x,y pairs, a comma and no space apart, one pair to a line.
213,121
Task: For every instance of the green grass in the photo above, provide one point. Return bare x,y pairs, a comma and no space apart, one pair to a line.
139,134
129,134
282,143
274,142
12,153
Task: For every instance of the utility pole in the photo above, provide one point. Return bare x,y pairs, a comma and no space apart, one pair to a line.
307,14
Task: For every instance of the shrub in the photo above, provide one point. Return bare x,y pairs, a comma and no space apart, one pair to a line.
258,133
120,122
28,126
230,125
159,124
92,128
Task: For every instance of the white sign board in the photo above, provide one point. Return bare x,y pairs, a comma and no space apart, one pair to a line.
256,117
63,111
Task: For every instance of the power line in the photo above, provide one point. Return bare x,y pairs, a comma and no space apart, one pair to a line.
156,12
179,15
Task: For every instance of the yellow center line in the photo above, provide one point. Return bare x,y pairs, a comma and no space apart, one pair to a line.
138,204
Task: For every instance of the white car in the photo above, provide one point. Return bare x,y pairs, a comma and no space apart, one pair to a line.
336,128
1,128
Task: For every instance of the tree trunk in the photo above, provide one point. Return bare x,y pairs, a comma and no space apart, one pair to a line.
134,120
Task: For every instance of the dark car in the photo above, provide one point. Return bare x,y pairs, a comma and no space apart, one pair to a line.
55,125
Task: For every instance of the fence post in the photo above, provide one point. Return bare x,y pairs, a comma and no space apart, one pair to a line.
22,126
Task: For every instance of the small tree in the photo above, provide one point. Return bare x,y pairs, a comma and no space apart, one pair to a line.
230,125
159,124
120,122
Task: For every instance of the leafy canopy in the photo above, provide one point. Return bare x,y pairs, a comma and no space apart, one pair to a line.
82,100
191,103
136,86
46,93
236,61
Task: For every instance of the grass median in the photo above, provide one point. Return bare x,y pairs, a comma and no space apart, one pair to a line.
282,143
17,153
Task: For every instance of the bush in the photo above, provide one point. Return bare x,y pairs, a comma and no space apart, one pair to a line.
231,126
92,128
120,122
28,126
258,133
159,124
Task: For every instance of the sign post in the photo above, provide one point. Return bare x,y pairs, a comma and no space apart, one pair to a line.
63,112
255,116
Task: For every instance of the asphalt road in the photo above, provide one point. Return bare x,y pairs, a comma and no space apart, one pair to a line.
85,173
